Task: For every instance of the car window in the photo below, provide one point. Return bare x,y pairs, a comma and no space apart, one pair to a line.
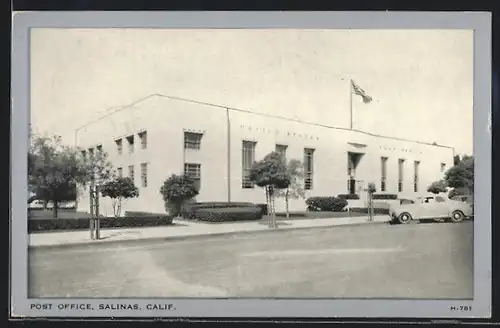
440,199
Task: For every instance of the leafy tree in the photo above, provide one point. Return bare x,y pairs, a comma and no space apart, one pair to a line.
437,187
271,174
176,190
119,189
295,189
56,170
461,175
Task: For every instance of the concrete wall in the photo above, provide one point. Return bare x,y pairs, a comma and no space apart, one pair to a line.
166,119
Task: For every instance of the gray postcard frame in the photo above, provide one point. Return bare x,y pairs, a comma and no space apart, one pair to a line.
480,22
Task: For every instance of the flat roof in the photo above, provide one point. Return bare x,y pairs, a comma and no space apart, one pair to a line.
253,113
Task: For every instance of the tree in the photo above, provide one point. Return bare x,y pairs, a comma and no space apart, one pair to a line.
119,189
437,187
270,174
56,170
176,190
461,175
295,189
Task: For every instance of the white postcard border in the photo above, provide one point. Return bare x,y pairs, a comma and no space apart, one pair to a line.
480,22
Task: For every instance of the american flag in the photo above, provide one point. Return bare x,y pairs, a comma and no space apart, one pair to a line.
360,92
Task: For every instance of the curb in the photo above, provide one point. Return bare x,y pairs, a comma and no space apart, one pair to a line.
200,236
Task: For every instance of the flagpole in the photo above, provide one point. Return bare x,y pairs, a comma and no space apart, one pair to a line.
350,102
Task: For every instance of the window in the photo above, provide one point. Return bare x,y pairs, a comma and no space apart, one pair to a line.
194,171
84,154
119,146
400,174
416,165
439,199
144,174
308,168
443,166
248,157
120,172
144,139
383,174
91,153
281,149
192,140
131,173
130,140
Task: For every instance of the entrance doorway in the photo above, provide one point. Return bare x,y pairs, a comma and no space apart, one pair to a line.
353,160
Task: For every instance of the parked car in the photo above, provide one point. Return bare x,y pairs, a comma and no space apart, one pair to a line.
62,205
431,207
36,203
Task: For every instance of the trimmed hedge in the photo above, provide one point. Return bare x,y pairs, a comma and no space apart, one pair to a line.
189,210
376,211
348,196
141,214
39,225
384,196
331,204
228,214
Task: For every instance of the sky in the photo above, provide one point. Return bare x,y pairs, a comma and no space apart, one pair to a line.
421,81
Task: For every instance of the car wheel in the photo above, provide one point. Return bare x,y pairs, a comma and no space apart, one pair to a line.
457,216
404,218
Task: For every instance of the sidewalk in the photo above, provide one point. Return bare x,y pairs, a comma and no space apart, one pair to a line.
183,229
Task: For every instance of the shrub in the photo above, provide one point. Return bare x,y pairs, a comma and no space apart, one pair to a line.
40,225
384,196
189,209
141,214
176,191
348,196
437,187
376,210
332,204
228,214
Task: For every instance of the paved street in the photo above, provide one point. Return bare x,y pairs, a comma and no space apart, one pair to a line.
407,261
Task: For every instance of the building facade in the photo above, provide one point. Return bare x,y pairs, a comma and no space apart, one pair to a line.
160,136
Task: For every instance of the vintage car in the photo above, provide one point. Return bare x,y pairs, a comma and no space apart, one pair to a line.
431,207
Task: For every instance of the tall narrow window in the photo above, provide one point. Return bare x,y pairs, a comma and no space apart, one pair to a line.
130,140
415,176
119,146
91,153
248,157
281,149
144,174
120,172
401,163
131,172
383,175
192,140
308,168
443,167
194,171
84,154
143,136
